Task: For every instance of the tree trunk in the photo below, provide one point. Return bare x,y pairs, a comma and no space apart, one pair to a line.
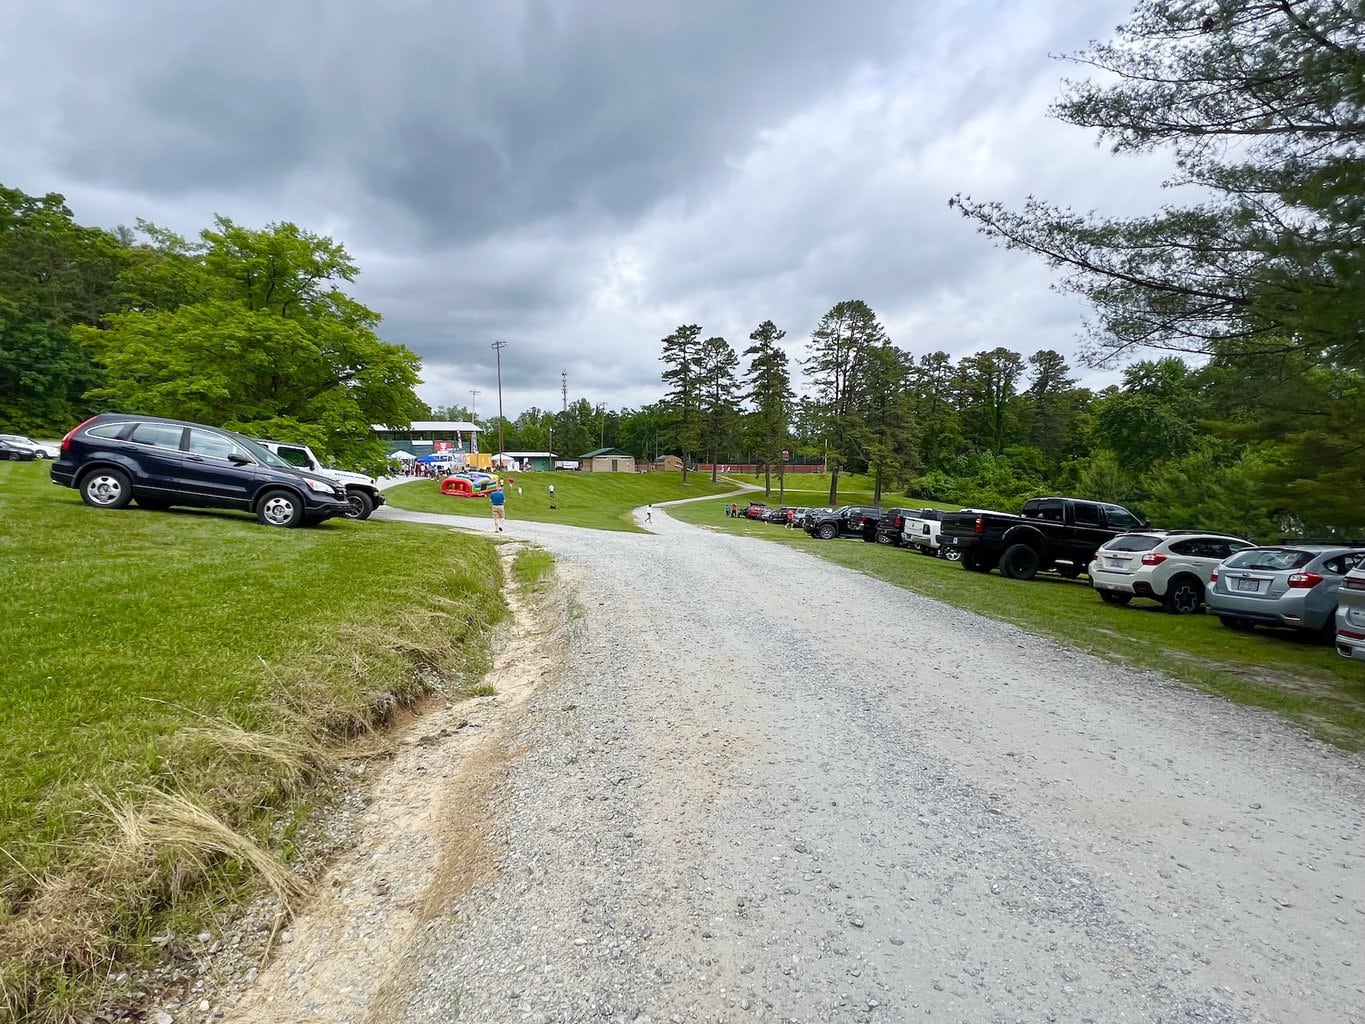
767,479
834,487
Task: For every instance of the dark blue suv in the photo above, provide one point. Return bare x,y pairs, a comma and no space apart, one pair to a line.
115,458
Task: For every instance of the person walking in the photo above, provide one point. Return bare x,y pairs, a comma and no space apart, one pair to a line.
552,495
498,500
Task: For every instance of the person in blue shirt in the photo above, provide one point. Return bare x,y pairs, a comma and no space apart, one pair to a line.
498,500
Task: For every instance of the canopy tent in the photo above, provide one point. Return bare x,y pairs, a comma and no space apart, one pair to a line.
432,459
402,456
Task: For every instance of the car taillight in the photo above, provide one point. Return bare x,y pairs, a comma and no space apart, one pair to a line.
66,441
1354,583
1213,576
1153,558
980,525
1304,580
899,522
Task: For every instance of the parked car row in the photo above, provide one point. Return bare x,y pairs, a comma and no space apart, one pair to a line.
20,443
1317,589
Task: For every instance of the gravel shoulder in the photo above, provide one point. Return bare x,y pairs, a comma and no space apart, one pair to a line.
727,781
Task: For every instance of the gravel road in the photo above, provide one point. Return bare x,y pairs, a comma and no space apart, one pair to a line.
767,788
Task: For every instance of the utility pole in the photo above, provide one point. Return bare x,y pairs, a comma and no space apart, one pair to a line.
474,404
498,346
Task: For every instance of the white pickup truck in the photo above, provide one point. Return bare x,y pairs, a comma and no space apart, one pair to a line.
361,491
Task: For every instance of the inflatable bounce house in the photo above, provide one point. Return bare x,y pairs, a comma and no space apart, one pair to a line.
468,484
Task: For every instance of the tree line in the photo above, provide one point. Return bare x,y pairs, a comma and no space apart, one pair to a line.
1249,416
245,328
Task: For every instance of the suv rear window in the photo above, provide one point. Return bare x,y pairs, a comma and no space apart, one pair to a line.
159,435
1138,542
1271,559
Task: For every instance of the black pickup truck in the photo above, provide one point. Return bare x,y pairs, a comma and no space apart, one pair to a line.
1050,533
844,521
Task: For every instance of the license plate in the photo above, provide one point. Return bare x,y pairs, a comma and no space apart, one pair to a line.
1249,585
1115,563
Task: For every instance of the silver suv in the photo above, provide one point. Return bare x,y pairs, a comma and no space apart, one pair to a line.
1168,566
1292,585
1351,615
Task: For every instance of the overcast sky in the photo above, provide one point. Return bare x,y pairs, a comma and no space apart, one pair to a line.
579,177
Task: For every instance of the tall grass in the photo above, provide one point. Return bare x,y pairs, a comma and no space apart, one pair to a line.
175,683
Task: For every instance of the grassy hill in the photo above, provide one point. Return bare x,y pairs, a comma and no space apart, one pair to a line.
598,501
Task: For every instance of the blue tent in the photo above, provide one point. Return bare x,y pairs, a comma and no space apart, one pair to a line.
435,458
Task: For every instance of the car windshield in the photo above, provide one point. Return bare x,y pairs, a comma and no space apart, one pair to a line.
1271,559
1138,542
263,454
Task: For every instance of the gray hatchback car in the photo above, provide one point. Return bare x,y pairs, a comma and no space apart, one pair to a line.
1293,585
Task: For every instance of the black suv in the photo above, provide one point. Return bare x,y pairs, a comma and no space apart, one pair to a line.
114,458
844,521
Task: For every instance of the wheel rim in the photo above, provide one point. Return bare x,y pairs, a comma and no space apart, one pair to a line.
357,506
104,489
1185,599
278,511
952,554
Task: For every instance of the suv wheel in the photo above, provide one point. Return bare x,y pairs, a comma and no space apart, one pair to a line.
107,488
949,554
886,538
826,531
360,505
280,508
1184,596
1019,562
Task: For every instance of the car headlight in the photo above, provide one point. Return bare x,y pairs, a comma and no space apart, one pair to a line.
319,486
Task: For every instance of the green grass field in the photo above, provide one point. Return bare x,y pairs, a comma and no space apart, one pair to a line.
1305,681
598,501
139,645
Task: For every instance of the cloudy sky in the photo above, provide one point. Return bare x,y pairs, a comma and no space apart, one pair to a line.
579,177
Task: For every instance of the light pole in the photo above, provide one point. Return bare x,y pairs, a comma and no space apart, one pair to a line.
498,346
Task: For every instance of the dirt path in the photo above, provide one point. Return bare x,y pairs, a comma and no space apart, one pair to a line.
735,782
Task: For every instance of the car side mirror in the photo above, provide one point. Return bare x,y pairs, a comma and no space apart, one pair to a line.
238,459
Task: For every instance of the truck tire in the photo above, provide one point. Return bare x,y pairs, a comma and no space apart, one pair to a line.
972,561
826,531
361,505
949,554
1019,562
